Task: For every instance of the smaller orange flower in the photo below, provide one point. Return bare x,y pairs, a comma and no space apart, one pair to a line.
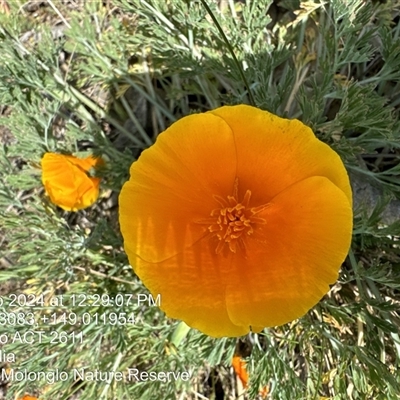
67,180
239,366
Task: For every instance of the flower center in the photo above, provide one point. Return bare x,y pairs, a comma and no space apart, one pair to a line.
233,221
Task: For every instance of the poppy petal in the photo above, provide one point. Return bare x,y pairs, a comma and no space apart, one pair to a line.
282,151
192,289
292,259
172,184
239,365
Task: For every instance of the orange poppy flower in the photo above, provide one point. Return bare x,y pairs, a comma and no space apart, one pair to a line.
239,365
67,181
240,368
238,218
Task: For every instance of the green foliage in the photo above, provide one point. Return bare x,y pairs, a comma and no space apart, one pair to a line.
108,79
